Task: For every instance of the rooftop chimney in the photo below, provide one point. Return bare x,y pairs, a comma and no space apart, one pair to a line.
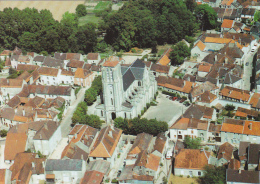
250,126
33,164
23,112
216,57
43,164
45,126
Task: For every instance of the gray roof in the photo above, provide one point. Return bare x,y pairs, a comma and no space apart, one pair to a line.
132,73
231,79
243,177
98,165
253,153
52,62
243,148
64,165
39,58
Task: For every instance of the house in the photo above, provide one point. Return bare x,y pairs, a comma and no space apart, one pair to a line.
227,25
67,171
248,13
93,58
74,64
234,94
81,140
51,92
253,157
38,60
225,154
254,101
191,162
198,49
107,145
49,76
214,132
96,170
234,131
204,69
189,127
206,98
20,59
161,70
5,54
242,152
41,136
10,87
246,113
175,85
226,3
83,77
242,176
164,59
27,168
53,63
66,77
5,176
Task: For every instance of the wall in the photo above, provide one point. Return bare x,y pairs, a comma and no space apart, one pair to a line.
186,172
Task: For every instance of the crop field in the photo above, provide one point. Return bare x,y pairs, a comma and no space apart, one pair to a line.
58,8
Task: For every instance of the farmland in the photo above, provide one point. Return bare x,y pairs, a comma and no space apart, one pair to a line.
58,8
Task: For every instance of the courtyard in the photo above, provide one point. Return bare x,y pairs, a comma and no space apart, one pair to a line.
166,110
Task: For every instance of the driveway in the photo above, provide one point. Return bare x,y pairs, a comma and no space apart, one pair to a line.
166,110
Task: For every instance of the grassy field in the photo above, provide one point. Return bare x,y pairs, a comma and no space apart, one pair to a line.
89,18
182,180
58,8
102,5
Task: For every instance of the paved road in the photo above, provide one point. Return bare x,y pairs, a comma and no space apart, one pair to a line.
248,70
66,122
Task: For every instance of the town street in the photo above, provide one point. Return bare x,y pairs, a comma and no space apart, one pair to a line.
66,121
248,70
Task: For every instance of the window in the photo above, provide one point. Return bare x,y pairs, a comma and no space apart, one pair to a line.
105,158
192,132
139,83
199,173
101,113
53,78
190,173
111,101
94,158
179,132
125,114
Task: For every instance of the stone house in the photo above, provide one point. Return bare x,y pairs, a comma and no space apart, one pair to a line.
191,162
20,59
93,58
225,154
67,171
83,77
107,145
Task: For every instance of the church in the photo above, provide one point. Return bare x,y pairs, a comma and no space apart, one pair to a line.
126,89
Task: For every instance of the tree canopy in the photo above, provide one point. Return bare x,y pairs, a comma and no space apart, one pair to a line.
192,143
214,175
136,126
179,53
207,16
81,10
37,31
145,23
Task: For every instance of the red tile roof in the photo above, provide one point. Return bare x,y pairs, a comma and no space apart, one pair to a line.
227,23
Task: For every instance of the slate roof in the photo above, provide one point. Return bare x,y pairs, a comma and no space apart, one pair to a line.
39,58
52,62
243,177
253,153
64,165
61,56
128,79
231,79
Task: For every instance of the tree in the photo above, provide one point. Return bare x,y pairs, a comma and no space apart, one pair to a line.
90,96
192,143
94,121
191,5
214,175
97,84
207,16
229,107
86,37
3,133
81,10
257,16
179,53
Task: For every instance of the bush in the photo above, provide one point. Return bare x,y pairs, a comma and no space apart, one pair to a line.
229,107
114,180
169,93
77,90
184,97
3,133
188,176
181,176
148,105
142,112
133,50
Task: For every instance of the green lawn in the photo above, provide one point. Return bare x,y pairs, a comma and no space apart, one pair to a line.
102,5
89,18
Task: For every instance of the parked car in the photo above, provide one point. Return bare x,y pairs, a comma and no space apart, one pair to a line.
182,100
174,98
